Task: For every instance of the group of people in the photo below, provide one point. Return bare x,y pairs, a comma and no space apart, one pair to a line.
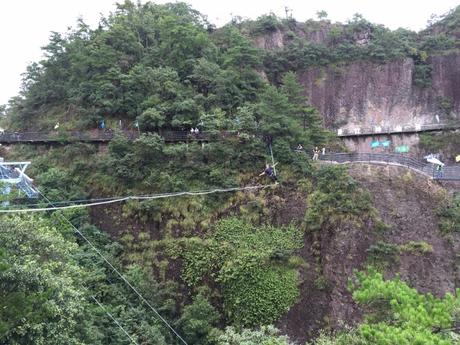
270,169
316,151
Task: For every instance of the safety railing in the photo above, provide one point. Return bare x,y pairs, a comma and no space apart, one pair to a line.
107,135
24,137
363,131
447,172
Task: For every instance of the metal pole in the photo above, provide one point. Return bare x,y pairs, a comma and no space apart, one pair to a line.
273,160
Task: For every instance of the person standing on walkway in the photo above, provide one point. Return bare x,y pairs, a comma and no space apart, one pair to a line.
438,170
315,153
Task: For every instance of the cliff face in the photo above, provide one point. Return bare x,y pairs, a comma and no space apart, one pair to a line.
408,204
368,94
364,93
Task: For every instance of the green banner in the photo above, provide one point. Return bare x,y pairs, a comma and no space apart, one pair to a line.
402,149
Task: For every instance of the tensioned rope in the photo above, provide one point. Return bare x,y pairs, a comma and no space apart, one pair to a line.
273,159
114,320
146,197
133,197
74,201
142,298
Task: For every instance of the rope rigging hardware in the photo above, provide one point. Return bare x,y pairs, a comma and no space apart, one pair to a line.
10,174
13,173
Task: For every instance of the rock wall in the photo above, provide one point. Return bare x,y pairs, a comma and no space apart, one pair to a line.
363,144
363,93
408,204
408,143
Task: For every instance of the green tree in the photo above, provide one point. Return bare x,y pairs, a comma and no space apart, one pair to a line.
321,14
274,117
292,89
151,119
267,335
117,298
42,299
198,321
245,120
302,111
399,314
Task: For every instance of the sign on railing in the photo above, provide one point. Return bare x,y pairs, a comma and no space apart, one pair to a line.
394,129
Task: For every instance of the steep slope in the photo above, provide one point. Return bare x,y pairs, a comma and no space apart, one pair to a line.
361,74
245,257
403,239
411,245
364,94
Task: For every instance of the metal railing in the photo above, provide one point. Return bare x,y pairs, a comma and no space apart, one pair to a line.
448,172
107,135
376,130
10,175
24,137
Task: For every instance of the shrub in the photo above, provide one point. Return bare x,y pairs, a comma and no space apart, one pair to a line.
267,335
420,247
382,252
449,215
336,197
398,314
254,267
198,321
266,23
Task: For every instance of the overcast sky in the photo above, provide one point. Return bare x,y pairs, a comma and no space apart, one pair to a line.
25,24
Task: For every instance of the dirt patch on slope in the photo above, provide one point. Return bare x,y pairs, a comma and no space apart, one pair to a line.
408,204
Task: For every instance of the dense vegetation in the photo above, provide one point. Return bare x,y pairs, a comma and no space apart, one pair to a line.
397,314
48,282
47,290
337,197
222,268
358,39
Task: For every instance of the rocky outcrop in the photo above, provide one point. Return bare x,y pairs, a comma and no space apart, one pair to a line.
363,93
408,204
273,41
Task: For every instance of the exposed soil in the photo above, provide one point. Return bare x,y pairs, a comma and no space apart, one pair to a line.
408,204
